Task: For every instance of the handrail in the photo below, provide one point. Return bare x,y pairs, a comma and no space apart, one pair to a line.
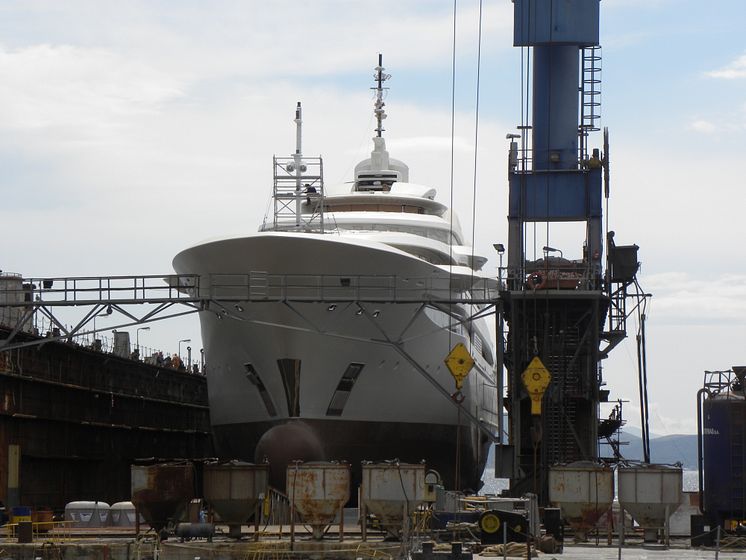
260,286
252,287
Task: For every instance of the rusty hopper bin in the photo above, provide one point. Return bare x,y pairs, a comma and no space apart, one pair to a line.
392,491
583,491
651,493
234,489
318,491
161,492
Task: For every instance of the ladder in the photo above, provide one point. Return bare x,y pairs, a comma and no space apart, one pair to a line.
590,96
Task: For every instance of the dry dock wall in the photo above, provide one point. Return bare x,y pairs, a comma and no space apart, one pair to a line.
72,420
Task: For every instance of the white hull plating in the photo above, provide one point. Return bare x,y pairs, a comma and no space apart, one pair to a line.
325,338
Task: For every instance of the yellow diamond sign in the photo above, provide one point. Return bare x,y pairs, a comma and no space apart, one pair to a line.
536,379
459,363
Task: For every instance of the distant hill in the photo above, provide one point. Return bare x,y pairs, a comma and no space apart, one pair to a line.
664,449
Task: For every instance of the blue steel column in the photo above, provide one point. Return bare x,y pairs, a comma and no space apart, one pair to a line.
560,325
555,111
557,187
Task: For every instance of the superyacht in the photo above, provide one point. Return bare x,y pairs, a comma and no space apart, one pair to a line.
354,296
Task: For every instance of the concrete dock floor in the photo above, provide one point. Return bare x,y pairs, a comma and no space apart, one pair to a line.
98,550
576,552
121,547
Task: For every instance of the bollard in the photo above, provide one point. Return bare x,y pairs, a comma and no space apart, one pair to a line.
25,532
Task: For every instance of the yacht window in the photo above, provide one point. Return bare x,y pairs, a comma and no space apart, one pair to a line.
255,380
344,388
477,344
376,181
290,372
430,233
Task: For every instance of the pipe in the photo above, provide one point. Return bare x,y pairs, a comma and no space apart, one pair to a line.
700,457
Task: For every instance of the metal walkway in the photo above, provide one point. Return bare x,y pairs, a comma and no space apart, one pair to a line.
143,299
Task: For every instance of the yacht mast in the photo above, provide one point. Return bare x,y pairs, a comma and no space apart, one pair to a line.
379,111
298,188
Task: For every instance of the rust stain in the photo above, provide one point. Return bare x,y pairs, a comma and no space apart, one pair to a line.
165,492
318,491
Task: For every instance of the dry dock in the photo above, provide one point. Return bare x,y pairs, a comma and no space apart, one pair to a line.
73,419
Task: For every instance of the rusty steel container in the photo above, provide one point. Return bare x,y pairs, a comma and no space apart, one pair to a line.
161,492
392,491
318,491
11,292
650,493
583,491
234,489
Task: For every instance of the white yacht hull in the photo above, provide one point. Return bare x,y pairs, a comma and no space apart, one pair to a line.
275,367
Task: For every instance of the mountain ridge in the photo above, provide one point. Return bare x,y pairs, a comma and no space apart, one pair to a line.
669,449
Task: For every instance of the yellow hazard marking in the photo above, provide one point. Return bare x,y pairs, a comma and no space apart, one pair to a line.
459,362
489,523
536,379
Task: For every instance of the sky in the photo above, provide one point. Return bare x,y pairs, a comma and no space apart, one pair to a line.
132,130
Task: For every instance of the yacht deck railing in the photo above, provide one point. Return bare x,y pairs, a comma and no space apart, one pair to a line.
251,287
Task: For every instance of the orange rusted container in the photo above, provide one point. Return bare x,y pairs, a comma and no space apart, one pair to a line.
44,519
161,492
584,491
318,491
392,491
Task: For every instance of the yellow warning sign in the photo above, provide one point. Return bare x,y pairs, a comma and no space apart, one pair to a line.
536,379
459,363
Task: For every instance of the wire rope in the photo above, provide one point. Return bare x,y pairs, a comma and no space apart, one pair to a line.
450,184
476,159
457,469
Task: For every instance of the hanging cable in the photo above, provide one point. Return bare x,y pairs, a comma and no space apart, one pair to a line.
642,380
453,134
457,466
476,157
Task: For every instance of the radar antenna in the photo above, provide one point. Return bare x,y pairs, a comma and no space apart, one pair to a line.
379,105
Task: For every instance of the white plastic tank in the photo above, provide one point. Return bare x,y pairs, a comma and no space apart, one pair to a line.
650,493
391,491
583,491
122,514
87,514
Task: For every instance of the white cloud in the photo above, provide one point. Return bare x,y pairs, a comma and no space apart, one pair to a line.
661,421
83,89
288,38
681,298
702,125
436,143
732,71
